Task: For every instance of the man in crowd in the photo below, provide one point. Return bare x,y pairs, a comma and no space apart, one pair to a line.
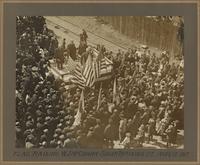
72,50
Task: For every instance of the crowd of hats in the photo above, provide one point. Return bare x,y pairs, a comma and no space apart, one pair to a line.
37,92
149,101
172,19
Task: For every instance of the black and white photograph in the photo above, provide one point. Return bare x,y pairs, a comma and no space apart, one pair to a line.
99,82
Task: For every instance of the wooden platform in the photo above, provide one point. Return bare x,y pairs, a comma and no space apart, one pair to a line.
63,74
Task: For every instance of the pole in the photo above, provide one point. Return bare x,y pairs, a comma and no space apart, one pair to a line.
99,97
114,90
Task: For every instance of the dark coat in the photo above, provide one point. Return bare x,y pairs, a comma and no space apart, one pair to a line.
72,51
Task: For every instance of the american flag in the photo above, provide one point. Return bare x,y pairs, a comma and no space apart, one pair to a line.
108,61
71,64
86,75
78,77
104,64
89,72
97,70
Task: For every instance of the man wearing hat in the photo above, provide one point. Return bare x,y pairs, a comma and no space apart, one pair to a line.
132,106
72,50
141,134
29,141
109,134
70,141
170,133
150,129
135,124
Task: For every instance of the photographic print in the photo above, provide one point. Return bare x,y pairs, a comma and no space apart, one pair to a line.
99,82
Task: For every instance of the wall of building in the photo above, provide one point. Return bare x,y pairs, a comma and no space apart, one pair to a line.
160,34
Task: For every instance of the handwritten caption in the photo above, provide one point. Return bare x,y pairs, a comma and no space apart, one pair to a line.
104,153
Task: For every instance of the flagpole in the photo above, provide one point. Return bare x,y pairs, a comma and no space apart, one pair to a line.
114,90
99,97
81,108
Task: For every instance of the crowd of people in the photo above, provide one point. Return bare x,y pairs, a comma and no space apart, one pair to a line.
37,91
175,20
149,100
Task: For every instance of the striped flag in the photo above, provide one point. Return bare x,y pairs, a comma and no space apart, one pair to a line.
109,64
89,72
71,64
108,61
79,57
105,65
98,66
78,77
97,69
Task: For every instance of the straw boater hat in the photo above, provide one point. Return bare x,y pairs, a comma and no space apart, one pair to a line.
62,137
44,143
170,126
151,120
59,125
34,69
58,130
141,105
55,135
59,142
45,130
47,118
